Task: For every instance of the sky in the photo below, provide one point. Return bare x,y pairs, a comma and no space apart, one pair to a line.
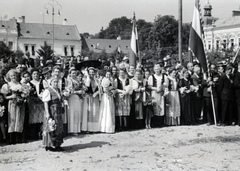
91,15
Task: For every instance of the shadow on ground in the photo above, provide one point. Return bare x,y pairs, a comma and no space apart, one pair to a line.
76,147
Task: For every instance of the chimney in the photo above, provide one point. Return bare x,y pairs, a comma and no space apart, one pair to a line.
236,13
23,19
65,22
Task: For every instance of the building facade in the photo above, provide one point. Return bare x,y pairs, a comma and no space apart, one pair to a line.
29,37
221,33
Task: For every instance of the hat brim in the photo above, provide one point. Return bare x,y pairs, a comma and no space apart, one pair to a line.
89,63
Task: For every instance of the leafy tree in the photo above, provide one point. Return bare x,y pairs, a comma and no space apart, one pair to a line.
5,52
46,52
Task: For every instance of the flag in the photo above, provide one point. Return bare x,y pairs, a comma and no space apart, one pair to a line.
196,44
134,43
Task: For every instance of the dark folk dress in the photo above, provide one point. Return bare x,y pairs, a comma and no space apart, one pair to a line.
187,116
55,110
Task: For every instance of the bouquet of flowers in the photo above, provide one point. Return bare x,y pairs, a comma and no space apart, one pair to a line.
50,126
2,109
22,93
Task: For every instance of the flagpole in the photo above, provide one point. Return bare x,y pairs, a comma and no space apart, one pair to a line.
180,32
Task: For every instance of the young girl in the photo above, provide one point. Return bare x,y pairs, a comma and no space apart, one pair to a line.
147,101
2,117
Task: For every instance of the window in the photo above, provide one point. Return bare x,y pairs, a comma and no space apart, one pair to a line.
65,50
26,48
10,45
209,45
72,50
232,43
217,44
33,50
109,46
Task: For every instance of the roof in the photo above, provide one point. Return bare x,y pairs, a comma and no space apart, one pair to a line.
8,24
110,45
231,21
44,31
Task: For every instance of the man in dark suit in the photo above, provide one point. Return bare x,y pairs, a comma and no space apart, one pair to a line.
196,80
237,92
226,90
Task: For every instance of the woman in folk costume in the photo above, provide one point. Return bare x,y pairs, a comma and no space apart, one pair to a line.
186,89
137,97
57,72
75,101
158,83
173,109
53,122
16,109
91,103
35,104
107,107
122,102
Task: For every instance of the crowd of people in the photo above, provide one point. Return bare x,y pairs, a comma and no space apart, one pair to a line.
53,102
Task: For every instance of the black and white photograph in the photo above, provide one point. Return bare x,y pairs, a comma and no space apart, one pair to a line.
110,85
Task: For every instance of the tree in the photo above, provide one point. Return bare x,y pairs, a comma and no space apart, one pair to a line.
45,52
5,52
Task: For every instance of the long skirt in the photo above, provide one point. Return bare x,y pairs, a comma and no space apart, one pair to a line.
107,114
173,110
90,118
75,113
159,105
16,115
54,138
36,110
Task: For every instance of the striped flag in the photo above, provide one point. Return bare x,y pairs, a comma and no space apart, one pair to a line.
196,44
134,43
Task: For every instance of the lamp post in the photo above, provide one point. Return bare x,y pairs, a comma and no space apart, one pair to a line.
52,4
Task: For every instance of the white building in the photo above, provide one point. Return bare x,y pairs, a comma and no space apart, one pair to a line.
67,40
9,33
221,33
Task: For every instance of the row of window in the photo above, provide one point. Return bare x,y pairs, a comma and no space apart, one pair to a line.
224,44
31,49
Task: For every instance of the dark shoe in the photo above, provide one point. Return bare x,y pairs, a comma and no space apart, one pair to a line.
49,148
59,149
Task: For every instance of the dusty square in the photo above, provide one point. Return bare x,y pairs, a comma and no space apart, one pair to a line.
206,148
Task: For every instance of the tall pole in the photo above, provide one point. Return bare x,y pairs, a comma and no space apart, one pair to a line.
53,4
53,27
180,32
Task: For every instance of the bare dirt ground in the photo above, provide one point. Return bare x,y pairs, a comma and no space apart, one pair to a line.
201,148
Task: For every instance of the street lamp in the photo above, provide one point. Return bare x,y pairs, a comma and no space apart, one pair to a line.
53,4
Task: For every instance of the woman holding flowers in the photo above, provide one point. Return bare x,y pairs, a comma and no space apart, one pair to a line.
122,102
75,101
91,102
158,83
16,107
53,125
107,107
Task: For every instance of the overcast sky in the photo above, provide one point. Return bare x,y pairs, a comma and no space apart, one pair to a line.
91,15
